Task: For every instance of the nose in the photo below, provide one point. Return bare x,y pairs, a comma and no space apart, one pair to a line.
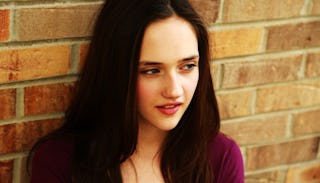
172,86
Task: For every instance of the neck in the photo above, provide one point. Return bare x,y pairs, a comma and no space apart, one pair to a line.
150,140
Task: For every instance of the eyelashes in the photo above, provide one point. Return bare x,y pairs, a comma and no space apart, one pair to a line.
188,67
150,71
185,68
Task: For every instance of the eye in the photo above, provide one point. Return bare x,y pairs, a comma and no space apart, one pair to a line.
150,71
188,67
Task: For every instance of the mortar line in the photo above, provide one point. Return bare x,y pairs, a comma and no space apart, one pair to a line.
38,82
17,171
41,43
284,175
270,114
11,156
31,118
306,7
267,55
302,71
254,102
49,4
12,24
220,76
244,155
263,23
19,102
283,140
264,40
5,5
74,60
221,11
282,167
289,129
266,85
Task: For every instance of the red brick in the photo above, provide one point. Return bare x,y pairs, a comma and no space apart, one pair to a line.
84,48
47,98
313,65
235,104
4,25
235,42
266,177
31,63
282,153
251,10
6,171
244,73
304,174
269,129
21,136
306,122
208,9
8,103
315,7
287,37
288,96
57,22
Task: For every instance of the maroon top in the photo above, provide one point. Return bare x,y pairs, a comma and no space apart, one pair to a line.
52,162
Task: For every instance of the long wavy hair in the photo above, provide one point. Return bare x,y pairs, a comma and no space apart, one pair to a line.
102,118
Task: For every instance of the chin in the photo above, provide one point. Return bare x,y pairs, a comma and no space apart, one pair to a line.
169,125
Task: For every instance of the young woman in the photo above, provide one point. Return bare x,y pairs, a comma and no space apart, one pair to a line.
145,109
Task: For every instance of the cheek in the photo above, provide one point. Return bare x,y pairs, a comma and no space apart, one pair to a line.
191,85
145,91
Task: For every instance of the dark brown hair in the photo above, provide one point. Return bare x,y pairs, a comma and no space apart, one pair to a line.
102,118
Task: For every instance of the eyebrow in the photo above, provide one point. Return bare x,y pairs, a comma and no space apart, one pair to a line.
193,57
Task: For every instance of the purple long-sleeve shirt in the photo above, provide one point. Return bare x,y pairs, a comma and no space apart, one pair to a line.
52,162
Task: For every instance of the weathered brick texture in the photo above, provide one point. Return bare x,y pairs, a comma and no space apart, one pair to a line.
267,129
315,7
313,65
306,122
252,10
236,42
288,96
305,174
265,66
235,104
4,25
32,63
21,136
47,98
287,37
51,23
263,71
267,177
7,103
282,153
6,171
208,10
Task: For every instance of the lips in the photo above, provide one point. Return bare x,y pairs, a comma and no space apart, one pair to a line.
170,108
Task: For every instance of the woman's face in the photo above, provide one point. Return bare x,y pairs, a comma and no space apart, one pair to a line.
168,73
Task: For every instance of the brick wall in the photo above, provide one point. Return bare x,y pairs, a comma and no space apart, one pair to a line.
265,65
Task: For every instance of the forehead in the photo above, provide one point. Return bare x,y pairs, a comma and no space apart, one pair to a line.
170,39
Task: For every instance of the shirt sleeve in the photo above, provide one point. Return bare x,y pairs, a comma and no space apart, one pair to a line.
51,163
231,167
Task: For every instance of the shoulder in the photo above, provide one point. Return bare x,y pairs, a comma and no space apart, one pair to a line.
51,162
226,159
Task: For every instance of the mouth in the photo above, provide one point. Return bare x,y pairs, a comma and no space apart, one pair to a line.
169,109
